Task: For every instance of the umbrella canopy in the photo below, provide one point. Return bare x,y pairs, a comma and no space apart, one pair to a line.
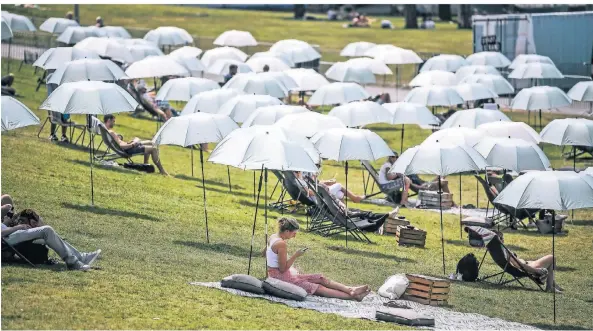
240,107
91,97
471,118
512,154
284,57
394,55
86,70
186,51
410,113
274,63
456,136
540,97
344,72
496,83
356,49
535,70
75,34
517,130
260,147
474,91
475,69
53,58
18,22
282,78
116,32
219,53
346,144
208,101
569,131
106,47
434,77
376,66
582,91
193,129
556,190
361,113
269,115
221,67
169,35
140,52
190,63
446,62
5,29
252,83
434,96
235,38
588,171
297,51
530,58
338,93
133,41
379,48
56,24
307,79
156,66
495,59
16,115
183,89
309,123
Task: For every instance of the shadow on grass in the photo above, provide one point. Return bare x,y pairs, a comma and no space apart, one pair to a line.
374,255
565,269
119,169
107,211
529,285
558,326
209,182
580,222
218,247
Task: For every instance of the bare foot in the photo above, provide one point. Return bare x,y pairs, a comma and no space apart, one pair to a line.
354,291
361,296
394,212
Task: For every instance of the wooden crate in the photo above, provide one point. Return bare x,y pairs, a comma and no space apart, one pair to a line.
427,290
390,225
409,235
431,199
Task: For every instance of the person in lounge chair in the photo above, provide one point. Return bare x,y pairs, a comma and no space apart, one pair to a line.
28,226
396,185
136,145
335,189
280,266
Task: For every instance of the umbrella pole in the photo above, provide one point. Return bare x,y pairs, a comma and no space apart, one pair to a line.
442,235
253,229
266,213
91,160
228,171
528,117
254,185
477,194
192,159
346,200
396,82
540,119
460,208
574,168
203,189
401,147
554,259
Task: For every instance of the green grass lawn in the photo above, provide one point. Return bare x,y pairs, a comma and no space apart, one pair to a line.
151,230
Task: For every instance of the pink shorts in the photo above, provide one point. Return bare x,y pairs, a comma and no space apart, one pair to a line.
309,283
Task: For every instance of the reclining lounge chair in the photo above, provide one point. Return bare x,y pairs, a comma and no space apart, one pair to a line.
112,145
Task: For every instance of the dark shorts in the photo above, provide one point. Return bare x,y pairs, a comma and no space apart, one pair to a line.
393,185
136,150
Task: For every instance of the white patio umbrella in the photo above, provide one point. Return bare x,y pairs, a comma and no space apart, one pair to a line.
169,36
471,118
18,22
380,48
455,136
309,123
440,159
75,34
269,115
529,58
517,130
512,154
87,70
282,77
475,69
535,71
274,63
307,79
235,38
389,54
183,89
240,107
361,113
297,51
186,51
474,91
140,52
434,96
116,32
496,83
16,115
5,29
343,72
569,132
284,57
90,98
376,66
356,49
133,41
190,63
446,62
495,59
338,93
156,66
190,130
219,53
252,83
56,24
538,98
582,91
434,77
221,67
106,47
588,171
409,113
53,58
208,101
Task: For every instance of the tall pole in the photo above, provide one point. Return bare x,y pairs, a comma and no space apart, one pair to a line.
346,200
76,14
254,221
204,190
192,159
401,147
442,231
554,259
88,118
460,208
266,212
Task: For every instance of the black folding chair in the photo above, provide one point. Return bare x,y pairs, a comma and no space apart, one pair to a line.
8,247
112,145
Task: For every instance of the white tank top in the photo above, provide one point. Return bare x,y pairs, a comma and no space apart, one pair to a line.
271,257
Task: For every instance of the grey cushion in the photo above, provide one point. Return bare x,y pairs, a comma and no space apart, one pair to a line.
284,290
244,283
403,316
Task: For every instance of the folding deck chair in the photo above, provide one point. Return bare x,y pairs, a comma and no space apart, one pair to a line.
56,118
577,151
111,144
8,247
372,173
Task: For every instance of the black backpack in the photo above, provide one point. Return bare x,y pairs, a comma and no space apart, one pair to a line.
468,268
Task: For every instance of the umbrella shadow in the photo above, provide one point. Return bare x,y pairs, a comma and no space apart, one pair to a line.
580,222
104,167
209,182
108,211
223,248
558,326
80,148
375,255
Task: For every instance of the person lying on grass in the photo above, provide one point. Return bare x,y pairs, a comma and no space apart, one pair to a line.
280,267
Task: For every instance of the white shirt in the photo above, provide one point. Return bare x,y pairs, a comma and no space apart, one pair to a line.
383,173
271,257
4,226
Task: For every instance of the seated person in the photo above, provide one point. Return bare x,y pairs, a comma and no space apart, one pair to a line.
165,106
150,97
135,146
7,82
280,266
149,100
396,185
28,226
7,206
335,189
332,15
386,24
427,23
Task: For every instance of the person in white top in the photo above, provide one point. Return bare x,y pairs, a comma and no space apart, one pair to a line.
335,189
280,266
396,185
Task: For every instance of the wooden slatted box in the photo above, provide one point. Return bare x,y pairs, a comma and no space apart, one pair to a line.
410,235
430,199
427,290
390,225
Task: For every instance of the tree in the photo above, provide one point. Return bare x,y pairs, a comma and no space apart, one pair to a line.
411,16
445,13
464,17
